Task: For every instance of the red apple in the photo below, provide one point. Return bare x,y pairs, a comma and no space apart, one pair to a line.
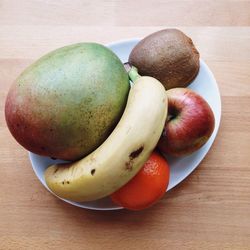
189,124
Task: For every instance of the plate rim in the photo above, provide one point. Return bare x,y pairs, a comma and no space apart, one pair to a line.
214,135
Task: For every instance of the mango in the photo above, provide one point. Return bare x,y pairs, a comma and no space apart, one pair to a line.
68,102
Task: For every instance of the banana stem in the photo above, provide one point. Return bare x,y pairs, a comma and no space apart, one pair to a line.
132,72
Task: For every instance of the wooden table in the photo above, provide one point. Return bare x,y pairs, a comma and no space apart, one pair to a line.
211,208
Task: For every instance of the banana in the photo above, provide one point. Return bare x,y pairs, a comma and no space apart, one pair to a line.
123,153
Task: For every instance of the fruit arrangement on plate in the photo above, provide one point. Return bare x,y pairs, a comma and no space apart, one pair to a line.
114,124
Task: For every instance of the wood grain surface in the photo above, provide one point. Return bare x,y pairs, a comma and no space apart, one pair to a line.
211,208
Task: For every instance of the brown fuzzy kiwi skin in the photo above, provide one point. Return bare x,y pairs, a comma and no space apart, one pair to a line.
167,55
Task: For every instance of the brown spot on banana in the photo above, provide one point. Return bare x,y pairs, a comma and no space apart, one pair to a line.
136,152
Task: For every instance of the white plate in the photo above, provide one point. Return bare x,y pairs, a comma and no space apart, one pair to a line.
205,84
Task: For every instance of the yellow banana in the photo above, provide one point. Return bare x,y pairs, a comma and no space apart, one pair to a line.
123,153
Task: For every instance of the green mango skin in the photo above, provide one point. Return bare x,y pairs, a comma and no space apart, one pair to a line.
68,102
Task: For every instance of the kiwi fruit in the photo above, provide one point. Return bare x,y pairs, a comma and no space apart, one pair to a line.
167,55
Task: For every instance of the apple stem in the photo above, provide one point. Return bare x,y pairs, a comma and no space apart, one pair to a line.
169,117
132,72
